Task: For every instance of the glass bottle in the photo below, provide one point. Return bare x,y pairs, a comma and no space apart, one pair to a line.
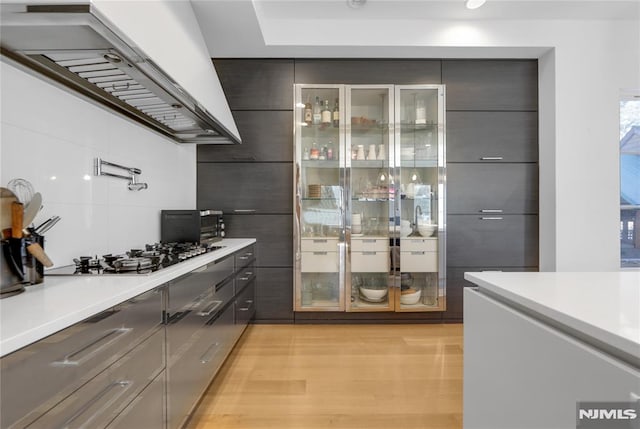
326,113
305,154
315,153
308,112
336,115
316,112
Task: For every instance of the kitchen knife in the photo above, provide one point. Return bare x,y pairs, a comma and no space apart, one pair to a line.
17,218
38,252
47,225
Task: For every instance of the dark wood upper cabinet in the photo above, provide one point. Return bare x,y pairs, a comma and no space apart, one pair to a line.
510,188
246,188
512,136
256,84
491,84
368,71
267,135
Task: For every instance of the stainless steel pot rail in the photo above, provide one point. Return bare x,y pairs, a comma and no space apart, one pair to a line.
133,172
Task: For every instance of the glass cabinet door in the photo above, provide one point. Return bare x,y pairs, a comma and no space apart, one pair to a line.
319,198
419,138
370,197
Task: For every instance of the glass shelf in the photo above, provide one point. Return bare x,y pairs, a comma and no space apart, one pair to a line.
312,163
379,163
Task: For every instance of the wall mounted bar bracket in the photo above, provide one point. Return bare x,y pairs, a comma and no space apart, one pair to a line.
133,172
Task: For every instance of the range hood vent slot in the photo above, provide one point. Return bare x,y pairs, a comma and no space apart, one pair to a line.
99,63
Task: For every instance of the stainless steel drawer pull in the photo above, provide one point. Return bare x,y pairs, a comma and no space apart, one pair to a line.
492,218
417,253
369,241
248,307
210,309
369,253
320,253
77,357
248,273
244,210
491,158
210,353
491,211
320,241
246,256
124,384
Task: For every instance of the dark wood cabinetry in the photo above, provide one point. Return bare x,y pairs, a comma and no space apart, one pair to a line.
491,84
491,188
245,187
267,135
491,113
256,84
509,136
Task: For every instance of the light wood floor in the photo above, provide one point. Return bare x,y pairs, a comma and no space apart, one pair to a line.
338,376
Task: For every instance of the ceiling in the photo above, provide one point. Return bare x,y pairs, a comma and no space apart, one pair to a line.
333,28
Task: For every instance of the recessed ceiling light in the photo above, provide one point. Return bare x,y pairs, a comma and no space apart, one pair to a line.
474,4
355,4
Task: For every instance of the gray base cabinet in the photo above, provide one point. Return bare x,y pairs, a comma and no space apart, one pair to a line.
141,364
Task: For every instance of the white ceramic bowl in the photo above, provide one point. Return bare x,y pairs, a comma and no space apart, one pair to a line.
410,298
373,294
426,229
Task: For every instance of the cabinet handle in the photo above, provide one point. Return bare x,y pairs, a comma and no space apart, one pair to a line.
491,158
491,218
246,256
319,253
76,358
417,253
491,211
210,353
123,383
243,158
209,309
369,253
320,241
369,240
244,210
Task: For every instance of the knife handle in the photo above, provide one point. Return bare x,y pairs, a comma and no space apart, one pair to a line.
17,215
38,252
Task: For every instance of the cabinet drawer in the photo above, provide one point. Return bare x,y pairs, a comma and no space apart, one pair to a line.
319,244
146,410
189,290
246,305
419,244
44,373
508,136
245,256
419,262
319,262
373,262
245,276
493,240
100,400
370,244
192,364
486,188
274,234
245,187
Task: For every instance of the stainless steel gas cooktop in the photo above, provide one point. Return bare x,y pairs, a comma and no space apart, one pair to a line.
154,257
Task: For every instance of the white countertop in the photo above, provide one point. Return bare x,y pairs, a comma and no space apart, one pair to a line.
61,301
604,306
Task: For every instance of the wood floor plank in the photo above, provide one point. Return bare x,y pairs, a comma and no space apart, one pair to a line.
338,376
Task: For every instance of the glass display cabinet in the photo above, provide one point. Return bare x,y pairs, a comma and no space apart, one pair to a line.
369,198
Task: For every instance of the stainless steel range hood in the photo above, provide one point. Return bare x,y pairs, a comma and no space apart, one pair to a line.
79,48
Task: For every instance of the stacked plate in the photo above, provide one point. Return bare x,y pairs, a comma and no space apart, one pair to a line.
314,191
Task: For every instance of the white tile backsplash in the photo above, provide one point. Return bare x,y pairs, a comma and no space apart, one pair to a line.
48,132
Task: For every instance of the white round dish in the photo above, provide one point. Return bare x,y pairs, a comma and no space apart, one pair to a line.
373,294
427,229
410,298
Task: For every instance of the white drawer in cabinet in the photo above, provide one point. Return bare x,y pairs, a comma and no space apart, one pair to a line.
319,262
419,262
370,262
319,244
370,244
419,244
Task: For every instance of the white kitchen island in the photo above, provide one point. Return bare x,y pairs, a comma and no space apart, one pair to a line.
536,344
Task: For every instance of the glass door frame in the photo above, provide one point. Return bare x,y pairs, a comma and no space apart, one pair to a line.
298,113
441,192
348,201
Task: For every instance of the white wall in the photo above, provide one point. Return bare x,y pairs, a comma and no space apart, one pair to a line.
48,132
